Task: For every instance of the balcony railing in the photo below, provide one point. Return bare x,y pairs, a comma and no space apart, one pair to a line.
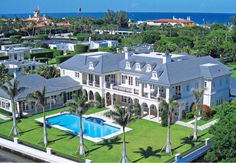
136,91
123,89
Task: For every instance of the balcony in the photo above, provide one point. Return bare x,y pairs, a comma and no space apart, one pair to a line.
123,89
136,91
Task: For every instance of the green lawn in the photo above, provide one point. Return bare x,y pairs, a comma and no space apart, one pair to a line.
94,110
233,65
205,121
144,141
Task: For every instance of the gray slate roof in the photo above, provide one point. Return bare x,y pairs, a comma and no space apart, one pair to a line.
34,82
179,71
103,62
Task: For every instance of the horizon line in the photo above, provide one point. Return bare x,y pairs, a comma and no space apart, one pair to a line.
190,12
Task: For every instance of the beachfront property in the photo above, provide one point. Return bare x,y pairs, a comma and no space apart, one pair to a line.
174,21
144,77
58,91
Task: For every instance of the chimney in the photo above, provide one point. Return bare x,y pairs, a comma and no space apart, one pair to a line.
166,57
126,53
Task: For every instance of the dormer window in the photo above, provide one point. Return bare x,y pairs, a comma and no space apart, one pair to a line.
154,75
148,68
138,67
127,65
91,65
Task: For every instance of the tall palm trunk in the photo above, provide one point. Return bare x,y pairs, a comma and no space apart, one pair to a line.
123,159
195,124
168,146
45,139
14,126
81,143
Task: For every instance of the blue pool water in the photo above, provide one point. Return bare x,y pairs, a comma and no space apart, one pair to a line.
93,127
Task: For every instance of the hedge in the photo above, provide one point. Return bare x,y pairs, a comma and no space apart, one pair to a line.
93,50
43,59
60,59
4,57
80,48
46,54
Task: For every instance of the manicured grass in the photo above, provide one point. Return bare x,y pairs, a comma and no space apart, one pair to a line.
144,141
233,65
94,110
186,120
205,121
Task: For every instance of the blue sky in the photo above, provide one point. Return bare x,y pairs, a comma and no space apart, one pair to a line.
26,6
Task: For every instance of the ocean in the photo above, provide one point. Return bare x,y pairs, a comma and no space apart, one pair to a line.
199,18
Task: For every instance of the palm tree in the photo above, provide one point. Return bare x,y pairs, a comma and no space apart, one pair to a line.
79,106
122,116
170,107
38,97
197,93
13,89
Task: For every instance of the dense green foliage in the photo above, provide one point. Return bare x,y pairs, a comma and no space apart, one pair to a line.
80,48
4,75
46,54
63,58
45,71
223,147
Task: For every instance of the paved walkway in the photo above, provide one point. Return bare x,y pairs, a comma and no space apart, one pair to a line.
202,127
33,152
4,117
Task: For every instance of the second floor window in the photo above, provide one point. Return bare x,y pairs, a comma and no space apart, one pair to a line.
123,78
130,80
138,67
77,74
205,84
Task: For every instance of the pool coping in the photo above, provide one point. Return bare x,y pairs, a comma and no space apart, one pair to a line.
96,140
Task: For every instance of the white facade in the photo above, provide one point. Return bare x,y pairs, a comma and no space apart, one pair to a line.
124,87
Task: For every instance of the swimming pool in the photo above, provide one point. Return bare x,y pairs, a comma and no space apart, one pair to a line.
93,127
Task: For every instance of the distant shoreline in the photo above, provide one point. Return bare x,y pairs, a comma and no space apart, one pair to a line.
141,16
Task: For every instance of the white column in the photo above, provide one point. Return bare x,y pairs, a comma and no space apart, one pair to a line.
112,100
149,90
140,90
167,94
100,81
17,107
87,79
94,80
88,95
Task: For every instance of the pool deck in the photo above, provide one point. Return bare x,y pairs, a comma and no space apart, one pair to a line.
107,121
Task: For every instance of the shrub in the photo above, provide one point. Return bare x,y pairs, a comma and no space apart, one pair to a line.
4,57
63,58
206,112
93,50
46,54
184,114
98,99
189,115
81,48
43,59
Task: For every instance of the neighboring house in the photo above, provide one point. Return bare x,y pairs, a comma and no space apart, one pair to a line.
144,77
15,66
58,91
174,21
10,46
103,43
65,45
18,53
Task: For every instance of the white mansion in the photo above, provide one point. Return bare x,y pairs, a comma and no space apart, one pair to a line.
143,77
